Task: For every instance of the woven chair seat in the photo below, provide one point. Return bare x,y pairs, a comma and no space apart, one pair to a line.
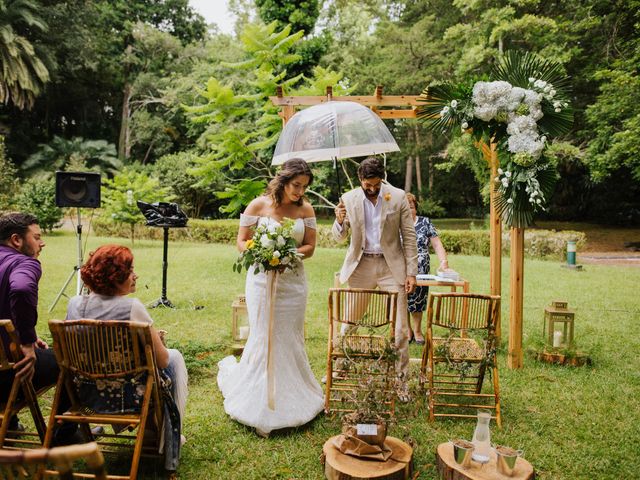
461,348
361,345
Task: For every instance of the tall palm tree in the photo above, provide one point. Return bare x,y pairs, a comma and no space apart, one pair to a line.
22,73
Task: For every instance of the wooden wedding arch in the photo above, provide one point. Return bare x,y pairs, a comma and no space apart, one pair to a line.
404,106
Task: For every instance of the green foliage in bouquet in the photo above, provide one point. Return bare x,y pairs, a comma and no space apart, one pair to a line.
524,103
272,247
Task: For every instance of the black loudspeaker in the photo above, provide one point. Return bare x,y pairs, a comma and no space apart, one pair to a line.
78,189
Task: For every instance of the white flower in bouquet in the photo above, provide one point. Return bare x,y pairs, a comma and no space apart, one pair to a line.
276,254
280,241
454,103
265,241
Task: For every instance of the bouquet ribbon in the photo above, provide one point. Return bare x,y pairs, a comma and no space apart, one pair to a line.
272,286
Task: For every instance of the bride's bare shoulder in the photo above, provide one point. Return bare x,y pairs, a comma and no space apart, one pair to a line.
257,206
307,210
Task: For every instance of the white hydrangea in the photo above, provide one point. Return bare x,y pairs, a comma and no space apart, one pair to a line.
519,107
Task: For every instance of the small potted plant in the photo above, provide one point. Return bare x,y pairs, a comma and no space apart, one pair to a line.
372,396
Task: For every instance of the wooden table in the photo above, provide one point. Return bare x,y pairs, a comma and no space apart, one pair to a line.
439,283
450,470
338,466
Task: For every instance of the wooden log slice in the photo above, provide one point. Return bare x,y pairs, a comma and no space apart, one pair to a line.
338,466
450,470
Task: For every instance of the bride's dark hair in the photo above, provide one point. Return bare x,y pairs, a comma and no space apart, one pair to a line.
290,170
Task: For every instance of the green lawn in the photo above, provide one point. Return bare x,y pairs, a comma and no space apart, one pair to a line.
579,423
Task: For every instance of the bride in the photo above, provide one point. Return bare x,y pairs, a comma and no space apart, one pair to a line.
298,396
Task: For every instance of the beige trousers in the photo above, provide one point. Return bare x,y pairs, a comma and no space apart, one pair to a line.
374,272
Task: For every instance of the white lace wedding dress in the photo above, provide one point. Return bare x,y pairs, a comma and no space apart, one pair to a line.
298,396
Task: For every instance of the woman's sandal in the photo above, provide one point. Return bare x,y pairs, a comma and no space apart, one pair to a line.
262,433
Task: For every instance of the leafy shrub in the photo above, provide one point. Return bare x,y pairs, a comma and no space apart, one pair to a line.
465,242
38,197
538,243
546,243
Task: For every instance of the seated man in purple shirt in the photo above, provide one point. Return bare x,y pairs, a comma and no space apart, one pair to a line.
20,271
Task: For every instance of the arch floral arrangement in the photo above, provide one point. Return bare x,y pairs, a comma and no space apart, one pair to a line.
523,104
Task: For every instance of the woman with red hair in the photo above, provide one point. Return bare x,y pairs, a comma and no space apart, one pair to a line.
110,278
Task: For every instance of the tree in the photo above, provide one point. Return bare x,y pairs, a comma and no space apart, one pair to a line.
8,181
195,198
123,191
242,129
22,74
38,197
301,15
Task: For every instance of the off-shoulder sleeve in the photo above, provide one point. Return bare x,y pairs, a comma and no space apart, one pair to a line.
310,222
248,220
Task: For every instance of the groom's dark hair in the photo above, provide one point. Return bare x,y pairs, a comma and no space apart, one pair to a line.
370,168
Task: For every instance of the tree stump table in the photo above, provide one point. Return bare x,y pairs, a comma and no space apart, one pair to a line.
450,470
338,466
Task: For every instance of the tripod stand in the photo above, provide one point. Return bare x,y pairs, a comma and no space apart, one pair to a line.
76,268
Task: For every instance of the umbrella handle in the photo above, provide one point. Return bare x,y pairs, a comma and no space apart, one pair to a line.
335,165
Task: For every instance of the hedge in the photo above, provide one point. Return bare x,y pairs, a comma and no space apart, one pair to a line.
538,243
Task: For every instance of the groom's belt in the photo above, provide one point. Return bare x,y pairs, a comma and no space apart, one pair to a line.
373,255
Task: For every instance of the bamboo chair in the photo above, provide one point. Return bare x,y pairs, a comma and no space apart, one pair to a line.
13,405
460,346
355,359
26,464
107,351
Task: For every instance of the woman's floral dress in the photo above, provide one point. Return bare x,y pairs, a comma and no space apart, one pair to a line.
425,230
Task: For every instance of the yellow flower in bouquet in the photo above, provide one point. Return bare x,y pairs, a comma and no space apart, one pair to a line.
274,262
249,244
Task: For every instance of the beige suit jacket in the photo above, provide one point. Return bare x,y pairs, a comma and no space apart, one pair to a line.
397,233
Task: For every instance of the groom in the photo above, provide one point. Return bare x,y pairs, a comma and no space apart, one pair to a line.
383,251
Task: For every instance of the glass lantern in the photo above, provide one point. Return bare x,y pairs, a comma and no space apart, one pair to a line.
558,325
239,320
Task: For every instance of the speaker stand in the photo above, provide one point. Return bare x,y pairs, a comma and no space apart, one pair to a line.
163,301
76,268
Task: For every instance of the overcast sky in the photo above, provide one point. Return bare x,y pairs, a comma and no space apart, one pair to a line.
215,11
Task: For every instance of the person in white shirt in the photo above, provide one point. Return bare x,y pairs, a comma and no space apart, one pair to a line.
382,252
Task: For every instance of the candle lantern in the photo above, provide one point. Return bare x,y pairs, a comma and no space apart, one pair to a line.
239,320
558,324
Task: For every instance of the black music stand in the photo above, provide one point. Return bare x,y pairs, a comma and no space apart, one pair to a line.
163,215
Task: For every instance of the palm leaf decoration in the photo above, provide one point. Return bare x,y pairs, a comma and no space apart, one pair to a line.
518,67
520,211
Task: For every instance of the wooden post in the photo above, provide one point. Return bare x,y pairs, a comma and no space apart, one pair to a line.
514,358
416,136
490,154
495,235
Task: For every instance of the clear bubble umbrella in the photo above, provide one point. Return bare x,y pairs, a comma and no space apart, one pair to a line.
332,131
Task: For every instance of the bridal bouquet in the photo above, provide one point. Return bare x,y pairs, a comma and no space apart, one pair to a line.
272,247
524,104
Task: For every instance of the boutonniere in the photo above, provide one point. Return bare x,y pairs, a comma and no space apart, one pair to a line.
387,196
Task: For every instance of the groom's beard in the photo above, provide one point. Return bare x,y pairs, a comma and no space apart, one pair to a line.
372,194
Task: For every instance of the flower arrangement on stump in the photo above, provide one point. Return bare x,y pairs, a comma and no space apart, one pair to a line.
522,106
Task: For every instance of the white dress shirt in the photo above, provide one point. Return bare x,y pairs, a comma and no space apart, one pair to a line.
372,225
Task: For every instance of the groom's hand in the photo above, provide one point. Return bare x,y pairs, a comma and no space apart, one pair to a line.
410,284
340,212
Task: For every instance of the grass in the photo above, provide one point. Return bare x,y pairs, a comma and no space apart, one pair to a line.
572,423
